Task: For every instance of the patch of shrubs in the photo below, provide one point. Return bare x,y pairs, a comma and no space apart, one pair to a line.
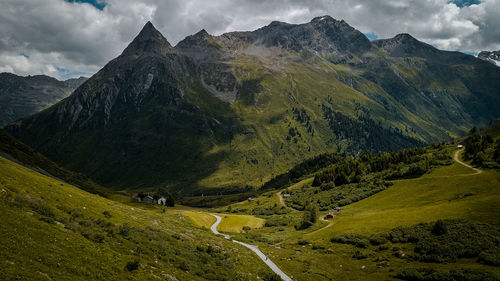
107,214
448,240
489,257
37,205
430,274
309,218
482,150
269,276
406,163
329,195
444,241
352,239
275,210
377,240
278,221
359,255
132,265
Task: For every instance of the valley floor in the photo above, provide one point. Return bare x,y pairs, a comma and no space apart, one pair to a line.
53,230
458,191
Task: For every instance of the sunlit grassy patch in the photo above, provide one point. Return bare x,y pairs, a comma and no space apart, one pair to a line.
235,223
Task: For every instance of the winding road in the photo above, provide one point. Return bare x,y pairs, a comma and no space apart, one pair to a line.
456,158
253,248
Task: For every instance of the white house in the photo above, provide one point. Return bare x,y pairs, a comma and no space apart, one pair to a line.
162,201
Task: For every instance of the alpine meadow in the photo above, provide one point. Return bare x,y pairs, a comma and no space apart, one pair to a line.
308,150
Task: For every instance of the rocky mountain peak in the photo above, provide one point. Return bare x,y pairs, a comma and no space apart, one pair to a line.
321,34
149,40
405,38
325,18
403,45
493,57
199,39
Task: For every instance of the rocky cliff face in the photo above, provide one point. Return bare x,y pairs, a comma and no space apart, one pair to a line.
24,96
493,57
218,114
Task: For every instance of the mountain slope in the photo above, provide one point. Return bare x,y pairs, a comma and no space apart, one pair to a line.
16,151
21,97
220,114
53,230
493,57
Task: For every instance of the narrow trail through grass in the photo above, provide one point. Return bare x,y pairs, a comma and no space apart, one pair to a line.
280,196
330,224
456,158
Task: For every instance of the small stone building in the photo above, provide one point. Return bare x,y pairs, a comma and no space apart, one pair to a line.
148,199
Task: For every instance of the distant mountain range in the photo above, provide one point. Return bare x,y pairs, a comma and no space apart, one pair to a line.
24,96
493,57
220,114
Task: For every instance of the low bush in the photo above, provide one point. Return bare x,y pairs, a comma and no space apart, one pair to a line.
448,240
278,221
430,274
359,255
131,266
352,239
489,257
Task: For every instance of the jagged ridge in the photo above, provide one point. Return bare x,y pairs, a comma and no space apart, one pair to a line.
233,110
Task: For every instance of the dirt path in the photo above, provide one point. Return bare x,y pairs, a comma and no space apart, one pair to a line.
253,248
280,196
330,223
456,158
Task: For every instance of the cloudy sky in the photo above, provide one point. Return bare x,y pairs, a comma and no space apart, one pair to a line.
68,38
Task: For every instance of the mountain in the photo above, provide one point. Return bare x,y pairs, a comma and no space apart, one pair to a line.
18,152
493,57
223,114
24,96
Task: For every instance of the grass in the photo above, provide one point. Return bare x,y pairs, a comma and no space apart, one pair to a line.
230,223
201,219
51,229
235,223
425,199
267,200
448,192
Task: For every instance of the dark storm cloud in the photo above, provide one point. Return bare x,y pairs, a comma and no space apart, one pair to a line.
44,36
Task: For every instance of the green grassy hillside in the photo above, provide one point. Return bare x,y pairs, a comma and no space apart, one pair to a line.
391,234
447,193
52,230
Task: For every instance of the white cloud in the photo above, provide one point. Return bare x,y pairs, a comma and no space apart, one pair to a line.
78,37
